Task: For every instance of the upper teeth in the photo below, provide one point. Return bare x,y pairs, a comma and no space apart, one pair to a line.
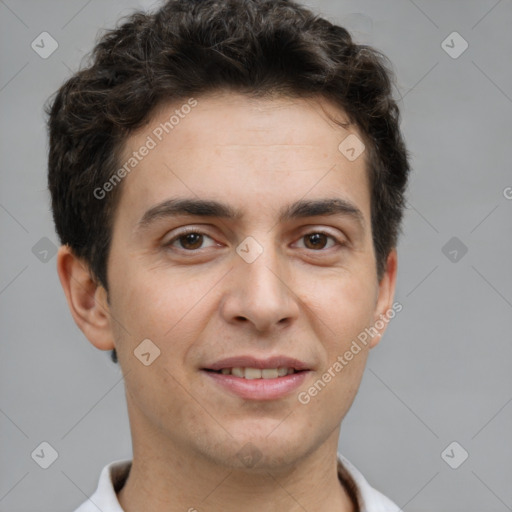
257,373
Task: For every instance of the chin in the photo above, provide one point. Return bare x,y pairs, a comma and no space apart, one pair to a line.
267,445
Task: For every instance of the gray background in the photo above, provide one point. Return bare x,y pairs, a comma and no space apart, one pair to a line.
442,372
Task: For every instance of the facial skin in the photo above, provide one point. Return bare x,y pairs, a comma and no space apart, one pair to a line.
297,299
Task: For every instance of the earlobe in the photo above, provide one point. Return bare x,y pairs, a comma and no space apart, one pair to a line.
385,297
87,300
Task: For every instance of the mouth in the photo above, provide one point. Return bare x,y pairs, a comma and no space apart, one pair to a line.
256,373
256,379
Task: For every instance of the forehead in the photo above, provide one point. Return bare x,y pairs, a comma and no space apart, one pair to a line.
250,152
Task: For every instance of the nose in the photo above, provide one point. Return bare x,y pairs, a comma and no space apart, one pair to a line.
260,293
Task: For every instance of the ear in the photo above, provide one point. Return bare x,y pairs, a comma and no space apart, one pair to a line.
385,297
86,299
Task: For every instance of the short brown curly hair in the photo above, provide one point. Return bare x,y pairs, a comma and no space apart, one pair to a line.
193,47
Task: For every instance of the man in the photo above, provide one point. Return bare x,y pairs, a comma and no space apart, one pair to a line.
227,182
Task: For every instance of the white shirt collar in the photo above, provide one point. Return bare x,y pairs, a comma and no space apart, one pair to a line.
112,475
370,500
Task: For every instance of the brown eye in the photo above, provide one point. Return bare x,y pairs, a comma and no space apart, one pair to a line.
191,241
316,240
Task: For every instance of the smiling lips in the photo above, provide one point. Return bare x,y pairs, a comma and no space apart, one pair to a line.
257,373
257,379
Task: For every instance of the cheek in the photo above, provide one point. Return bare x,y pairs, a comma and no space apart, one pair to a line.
167,308
342,305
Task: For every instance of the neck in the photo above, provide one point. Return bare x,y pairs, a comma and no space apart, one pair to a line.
166,477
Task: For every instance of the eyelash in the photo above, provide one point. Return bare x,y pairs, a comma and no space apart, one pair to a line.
197,232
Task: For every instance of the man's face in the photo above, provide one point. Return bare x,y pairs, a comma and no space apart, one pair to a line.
270,290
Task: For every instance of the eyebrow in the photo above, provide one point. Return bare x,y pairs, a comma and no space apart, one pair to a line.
215,209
